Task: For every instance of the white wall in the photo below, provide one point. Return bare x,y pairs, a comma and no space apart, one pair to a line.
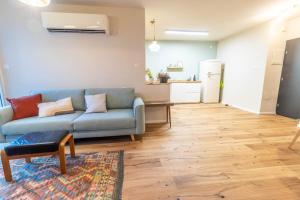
293,28
2,81
37,59
245,58
274,66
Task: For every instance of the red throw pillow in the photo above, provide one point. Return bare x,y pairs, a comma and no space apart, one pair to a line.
25,106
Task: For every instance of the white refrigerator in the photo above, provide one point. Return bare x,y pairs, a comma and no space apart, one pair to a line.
210,77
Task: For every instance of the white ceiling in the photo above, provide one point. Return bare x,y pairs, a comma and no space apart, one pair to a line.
220,17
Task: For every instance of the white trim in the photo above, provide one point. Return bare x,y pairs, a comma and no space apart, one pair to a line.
155,121
267,113
244,109
252,111
2,86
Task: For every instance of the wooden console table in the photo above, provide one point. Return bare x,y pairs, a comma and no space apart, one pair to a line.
166,104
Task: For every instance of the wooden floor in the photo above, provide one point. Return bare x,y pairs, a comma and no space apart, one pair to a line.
211,152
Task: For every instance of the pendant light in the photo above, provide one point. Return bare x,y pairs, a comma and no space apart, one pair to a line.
154,46
36,3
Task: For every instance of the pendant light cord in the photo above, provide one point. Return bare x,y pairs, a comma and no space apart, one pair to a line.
154,30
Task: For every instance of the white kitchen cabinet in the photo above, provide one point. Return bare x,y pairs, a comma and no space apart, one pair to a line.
188,92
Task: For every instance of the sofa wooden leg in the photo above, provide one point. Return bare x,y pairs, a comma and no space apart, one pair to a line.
72,147
132,137
6,166
28,159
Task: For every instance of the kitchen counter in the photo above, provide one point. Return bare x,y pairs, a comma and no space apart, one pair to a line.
181,91
183,81
170,82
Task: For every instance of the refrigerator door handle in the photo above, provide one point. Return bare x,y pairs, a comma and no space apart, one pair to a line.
209,74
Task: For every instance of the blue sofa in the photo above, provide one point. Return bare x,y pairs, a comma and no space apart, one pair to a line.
125,116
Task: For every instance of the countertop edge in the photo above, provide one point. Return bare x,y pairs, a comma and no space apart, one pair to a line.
170,82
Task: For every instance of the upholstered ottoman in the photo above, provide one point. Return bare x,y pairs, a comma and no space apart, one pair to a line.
37,144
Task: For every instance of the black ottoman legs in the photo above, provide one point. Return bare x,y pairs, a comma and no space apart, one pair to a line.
61,153
6,166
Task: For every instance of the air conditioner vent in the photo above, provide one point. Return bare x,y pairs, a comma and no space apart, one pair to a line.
74,31
75,22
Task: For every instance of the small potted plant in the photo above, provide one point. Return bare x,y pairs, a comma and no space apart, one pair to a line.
163,77
149,76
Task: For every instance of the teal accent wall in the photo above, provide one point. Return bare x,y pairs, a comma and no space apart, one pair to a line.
190,53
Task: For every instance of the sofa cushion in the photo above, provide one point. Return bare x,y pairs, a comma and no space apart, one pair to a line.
111,120
77,96
36,124
25,106
95,103
116,98
60,107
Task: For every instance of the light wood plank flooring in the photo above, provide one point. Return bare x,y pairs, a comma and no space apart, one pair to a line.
211,152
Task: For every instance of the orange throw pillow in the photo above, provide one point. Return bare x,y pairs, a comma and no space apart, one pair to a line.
24,107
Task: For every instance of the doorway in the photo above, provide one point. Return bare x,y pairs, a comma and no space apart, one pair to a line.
289,93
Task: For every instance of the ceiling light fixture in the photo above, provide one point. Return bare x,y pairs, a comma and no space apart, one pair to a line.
154,46
185,32
36,3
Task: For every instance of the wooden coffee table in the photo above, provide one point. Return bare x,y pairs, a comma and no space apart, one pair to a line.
166,104
35,145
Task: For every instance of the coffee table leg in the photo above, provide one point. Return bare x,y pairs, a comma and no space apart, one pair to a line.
72,146
62,158
6,166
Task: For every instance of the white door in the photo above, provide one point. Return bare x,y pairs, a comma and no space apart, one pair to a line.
210,73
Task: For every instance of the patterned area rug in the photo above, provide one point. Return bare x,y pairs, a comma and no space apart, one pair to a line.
89,176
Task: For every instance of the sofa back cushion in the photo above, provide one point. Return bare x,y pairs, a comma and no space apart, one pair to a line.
77,96
116,98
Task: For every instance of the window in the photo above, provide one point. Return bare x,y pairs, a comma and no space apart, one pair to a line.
1,94
1,100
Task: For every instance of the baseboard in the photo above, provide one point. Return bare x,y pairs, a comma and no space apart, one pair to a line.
252,111
244,109
267,113
155,121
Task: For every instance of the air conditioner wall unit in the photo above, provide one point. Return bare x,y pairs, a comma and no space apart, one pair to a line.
75,22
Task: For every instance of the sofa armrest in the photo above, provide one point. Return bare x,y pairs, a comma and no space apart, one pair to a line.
139,114
6,115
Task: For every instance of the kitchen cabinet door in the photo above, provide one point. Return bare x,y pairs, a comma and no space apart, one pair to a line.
185,92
